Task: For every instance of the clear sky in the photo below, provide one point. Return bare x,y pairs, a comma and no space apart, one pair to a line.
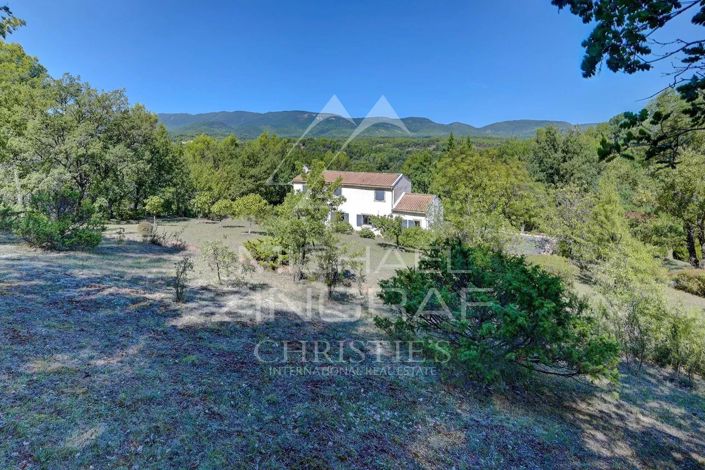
472,61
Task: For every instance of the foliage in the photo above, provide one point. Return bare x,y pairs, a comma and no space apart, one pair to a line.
8,216
267,251
419,168
366,232
333,262
202,203
415,238
154,205
681,195
230,169
340,225
59,234
223,208
623,37
8,21
220,259
56,219
525,318
390,226
253,207
183,268
485,197
558,159
691,281
683,344
300,222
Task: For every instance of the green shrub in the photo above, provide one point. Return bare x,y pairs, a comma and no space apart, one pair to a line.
691,281
416,238
7,217
366,233
682,344
63,234
267,251
220,259
183,267
521,318
556,265
338,225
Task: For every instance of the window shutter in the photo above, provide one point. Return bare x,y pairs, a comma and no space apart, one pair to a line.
359,220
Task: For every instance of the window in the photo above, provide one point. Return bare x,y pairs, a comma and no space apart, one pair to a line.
379,195
364,219
411,223
345,217
338,192
303,188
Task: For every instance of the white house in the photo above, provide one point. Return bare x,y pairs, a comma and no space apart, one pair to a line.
367,194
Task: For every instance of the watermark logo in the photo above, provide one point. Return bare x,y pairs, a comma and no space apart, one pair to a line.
382,113
348,357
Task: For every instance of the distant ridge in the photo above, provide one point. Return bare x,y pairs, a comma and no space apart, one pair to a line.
248,125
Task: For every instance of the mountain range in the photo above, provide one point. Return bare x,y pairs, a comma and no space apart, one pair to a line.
248,125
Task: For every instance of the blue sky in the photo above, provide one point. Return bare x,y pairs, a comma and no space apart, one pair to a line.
472,61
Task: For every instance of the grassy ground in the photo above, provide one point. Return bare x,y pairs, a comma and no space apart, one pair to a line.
99,367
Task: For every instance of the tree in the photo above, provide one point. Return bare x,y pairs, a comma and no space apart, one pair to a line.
515,316
419,168
253,207
332,260
220,259
223,208
154,205
681,194
202,203
623,38
559,159
485,198
390,226
299,223
8,22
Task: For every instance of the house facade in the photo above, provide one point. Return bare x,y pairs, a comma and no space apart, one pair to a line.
370,194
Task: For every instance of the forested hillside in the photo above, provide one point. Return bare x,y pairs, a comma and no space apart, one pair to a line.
294,123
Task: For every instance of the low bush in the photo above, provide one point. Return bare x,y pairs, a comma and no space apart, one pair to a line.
221,260
341,226
183,268
145,230
62,234
681,344
691,281
267,251
7,217
492,314
415,238
366,233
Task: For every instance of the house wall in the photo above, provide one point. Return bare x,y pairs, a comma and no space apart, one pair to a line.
420,218
360,201
402,186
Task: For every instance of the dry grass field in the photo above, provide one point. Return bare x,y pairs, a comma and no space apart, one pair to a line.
100,368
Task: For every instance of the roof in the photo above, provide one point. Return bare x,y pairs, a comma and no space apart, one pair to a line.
358,178
415,203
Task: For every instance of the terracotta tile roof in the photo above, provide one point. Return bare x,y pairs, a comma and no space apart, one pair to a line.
358,178
414,202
